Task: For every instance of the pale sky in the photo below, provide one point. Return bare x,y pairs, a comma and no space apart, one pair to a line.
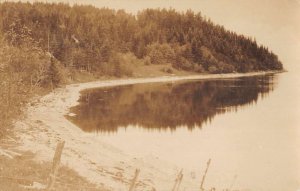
274,23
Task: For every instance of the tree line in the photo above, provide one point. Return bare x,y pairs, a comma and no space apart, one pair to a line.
85,37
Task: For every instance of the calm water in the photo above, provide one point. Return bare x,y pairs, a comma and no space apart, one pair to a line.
247,126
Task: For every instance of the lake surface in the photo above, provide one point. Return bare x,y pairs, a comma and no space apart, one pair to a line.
247,126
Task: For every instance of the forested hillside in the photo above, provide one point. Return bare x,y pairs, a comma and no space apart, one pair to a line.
103,41
43,45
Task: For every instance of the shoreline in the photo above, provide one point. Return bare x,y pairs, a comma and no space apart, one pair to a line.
168,78
45,124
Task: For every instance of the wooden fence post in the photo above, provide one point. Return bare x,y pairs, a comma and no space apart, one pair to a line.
132,185
55,165
204,176
178,181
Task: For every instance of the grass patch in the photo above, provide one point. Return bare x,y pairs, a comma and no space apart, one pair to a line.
23,171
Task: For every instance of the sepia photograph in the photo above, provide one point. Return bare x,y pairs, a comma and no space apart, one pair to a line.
150,95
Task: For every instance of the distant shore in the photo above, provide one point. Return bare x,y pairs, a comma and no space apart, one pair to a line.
45,124
168,78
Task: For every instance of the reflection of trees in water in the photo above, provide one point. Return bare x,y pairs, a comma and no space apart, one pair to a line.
162,106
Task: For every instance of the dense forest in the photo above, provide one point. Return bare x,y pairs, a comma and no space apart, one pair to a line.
43,45
104,41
